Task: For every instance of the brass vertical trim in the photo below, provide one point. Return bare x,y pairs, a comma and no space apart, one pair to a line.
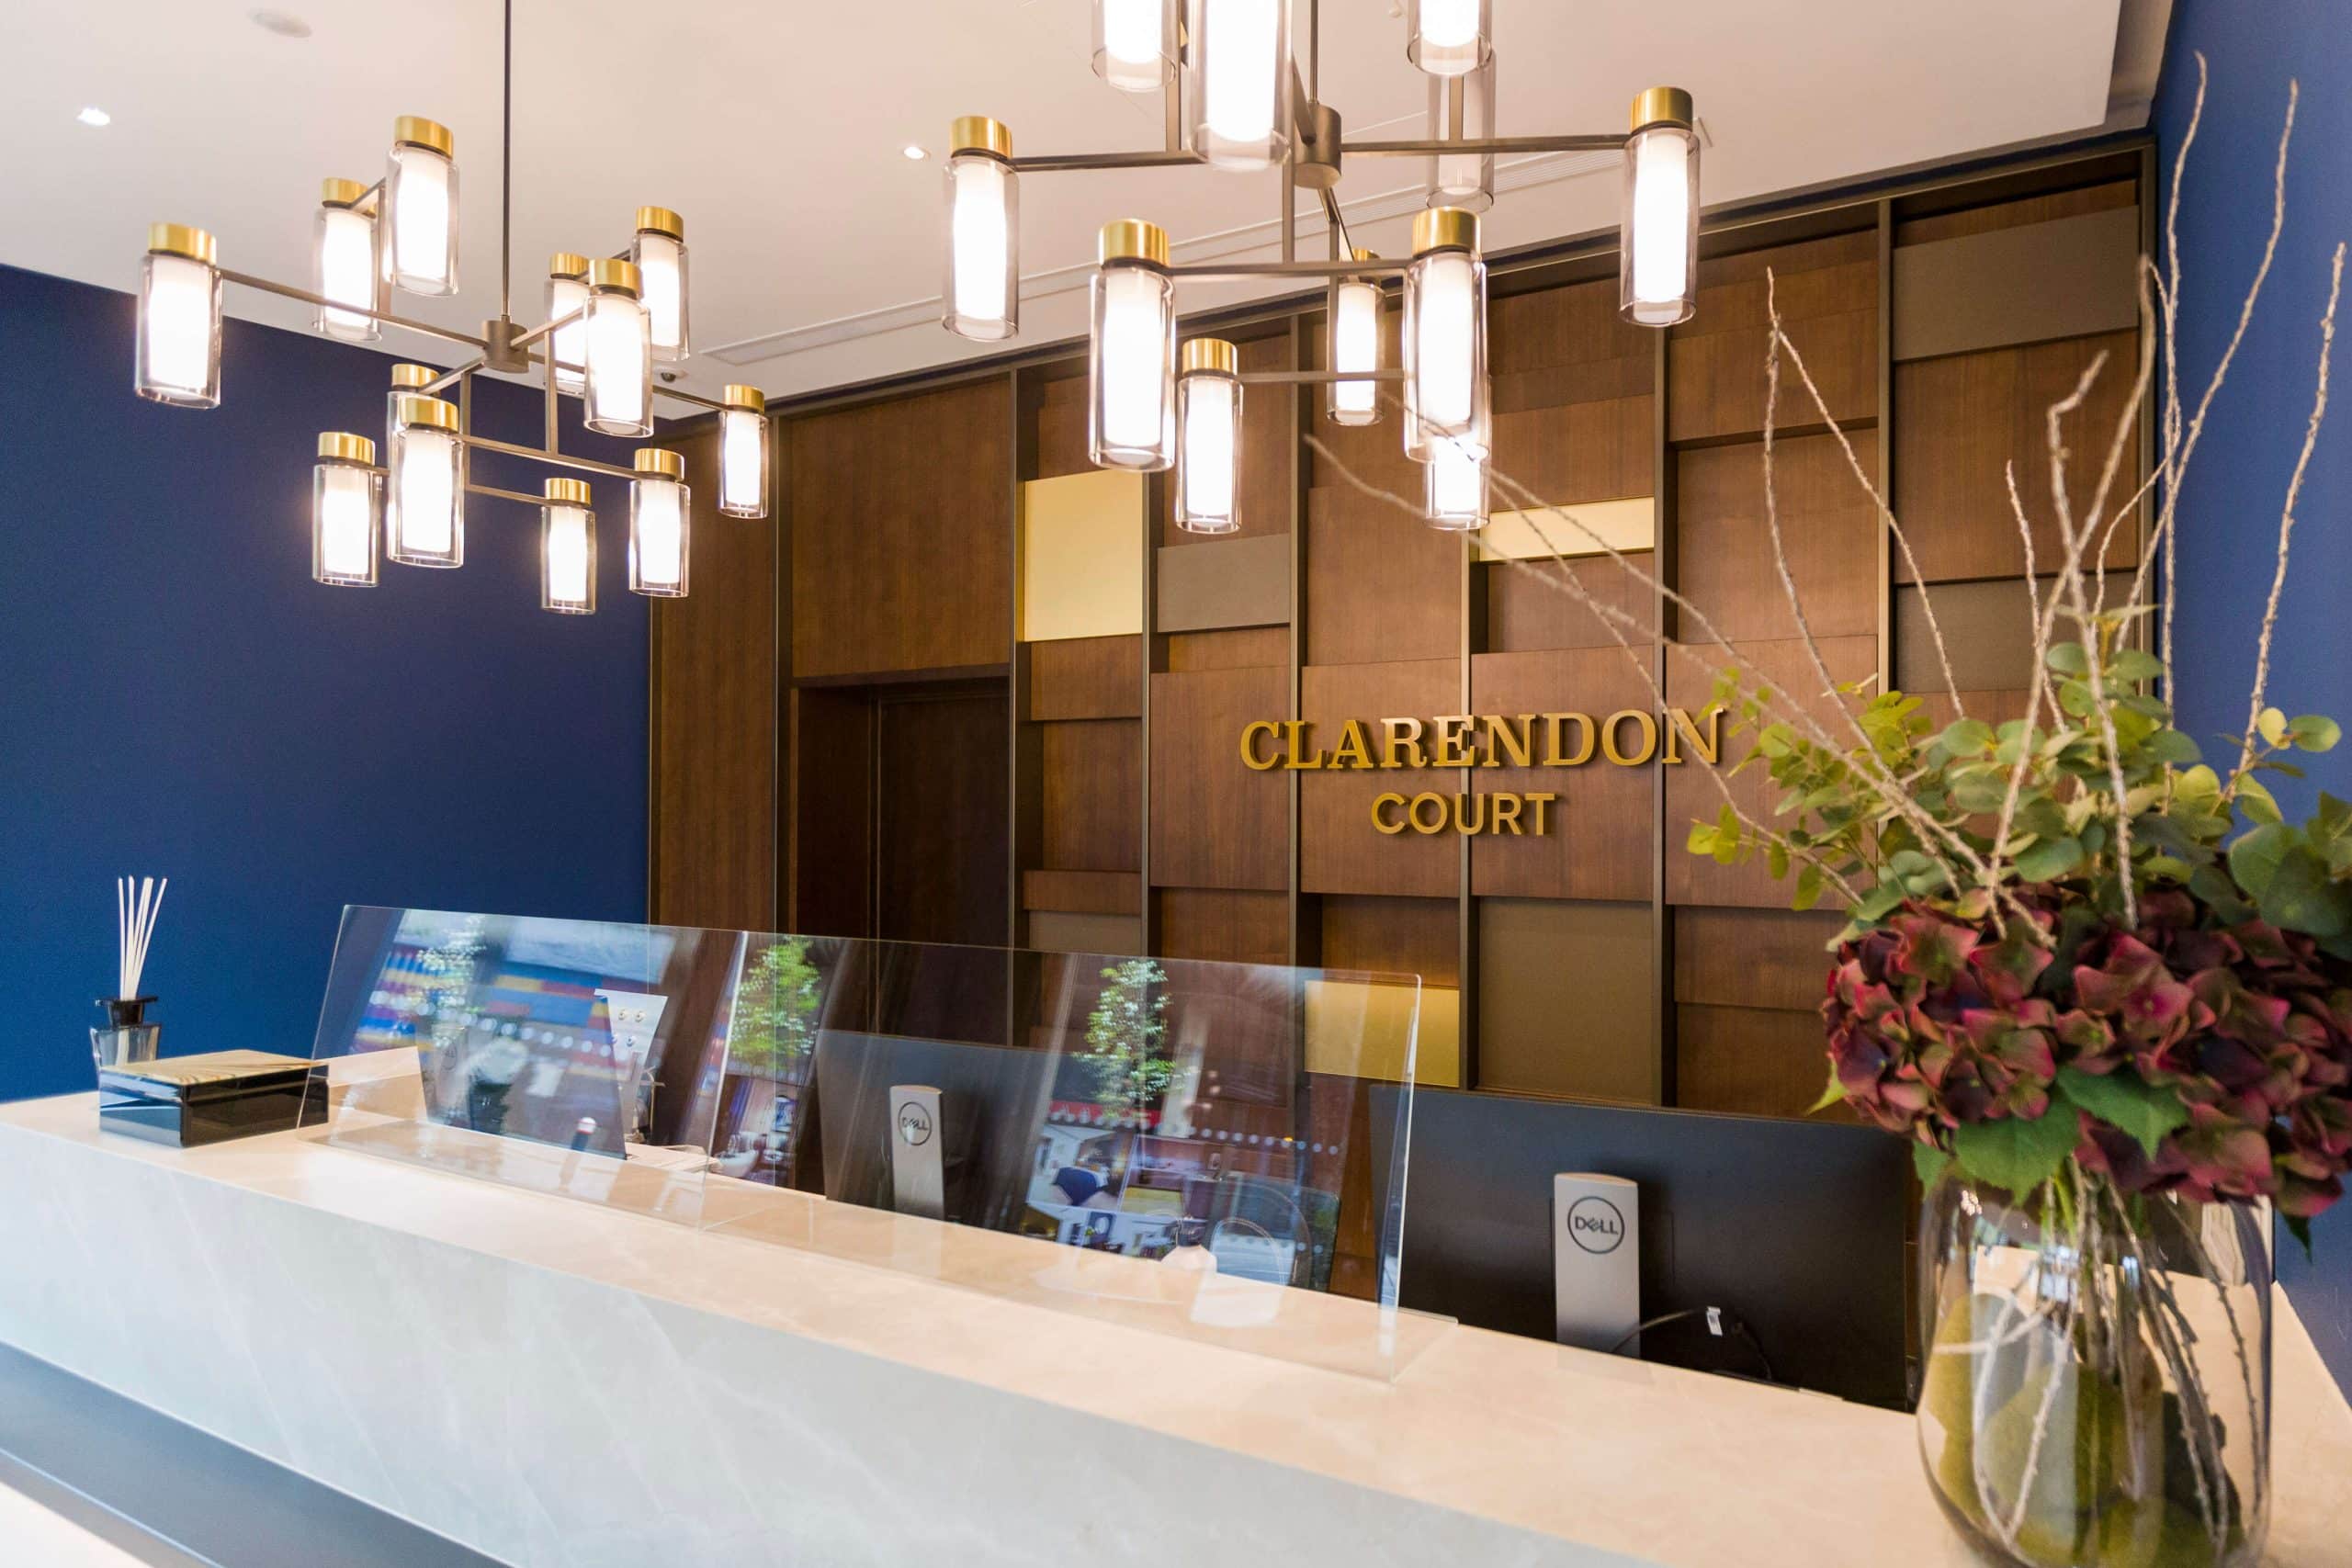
1885,532
1149,656
780,673
1471,584
2147,632
1305,946
1664,558
1025,803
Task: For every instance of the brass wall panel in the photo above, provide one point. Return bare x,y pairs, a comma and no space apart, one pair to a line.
1231,582
1988,632
2068,278
1568,999
1081,556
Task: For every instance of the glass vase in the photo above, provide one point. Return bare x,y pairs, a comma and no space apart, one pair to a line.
2097,1379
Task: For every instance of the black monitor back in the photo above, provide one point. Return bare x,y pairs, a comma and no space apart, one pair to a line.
1797,1227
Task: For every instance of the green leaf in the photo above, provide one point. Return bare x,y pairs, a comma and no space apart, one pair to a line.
2123,1100
2171,747
2018,1155
2131,664
1829,1096
2255,801
1879,902
1808,888
2211,884
1966,737
2271,724
2050,858
2314,732
2254,859
2068,659
1930,1162
2302,896
2300,1228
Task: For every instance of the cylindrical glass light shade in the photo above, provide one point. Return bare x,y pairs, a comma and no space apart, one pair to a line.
1239,57
1354,311
406,379
616,348
1209,426
657,524
1445,332
426,510
1449,38
660,252
1463,108
743,452
983,288
1131,404
344,488
1135,43
1658,237
344,265
567,549
568,292
179,318
420,207
1455,477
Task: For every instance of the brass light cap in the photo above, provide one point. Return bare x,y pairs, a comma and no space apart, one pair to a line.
659,461
342,447
567,264
978,134
1133,238
1440,227
431,412
661,221
182,240
606,272
571,492
342,193
415,375
736,395
1360,253
419,131
1210,354
1661,106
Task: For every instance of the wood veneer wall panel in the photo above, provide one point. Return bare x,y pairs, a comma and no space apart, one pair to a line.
1531,608
1339,850
1381,585
1828,294
1061,427
1087,677
1959,421
1568,999
716,812
1239,647
1235,582
1776,959
1600,844
1261,496
1689,796
1984,219
2067,277
1987,632
1828,532
832,819
1574,452
880,495
942,787
1576,324
1083,892
1227,925
1750,1060
1215,823
1393,936
1091,776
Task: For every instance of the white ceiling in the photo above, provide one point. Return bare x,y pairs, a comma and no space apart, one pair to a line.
776,130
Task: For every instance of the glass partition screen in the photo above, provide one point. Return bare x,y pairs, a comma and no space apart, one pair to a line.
1187,1147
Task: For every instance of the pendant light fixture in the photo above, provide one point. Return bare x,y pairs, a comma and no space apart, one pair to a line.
1208,423
606,321
1445,333
1239,58
1448,38
421,207
568,296
1354,313
1135,43
179,318
657,524
347,268
983,290
1462,109
1454,480
567,548
1658,221
743,452
660,252
616,348
429,490
1130,420
347,492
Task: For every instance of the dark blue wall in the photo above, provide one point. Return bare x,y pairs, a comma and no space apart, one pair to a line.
2238,477
181,699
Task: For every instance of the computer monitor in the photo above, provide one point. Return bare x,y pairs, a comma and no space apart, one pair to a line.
1795,1227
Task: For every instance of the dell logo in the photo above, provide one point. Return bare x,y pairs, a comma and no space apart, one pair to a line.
1595,1225
914,1124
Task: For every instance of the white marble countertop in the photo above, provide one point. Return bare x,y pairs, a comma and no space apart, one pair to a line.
152,1270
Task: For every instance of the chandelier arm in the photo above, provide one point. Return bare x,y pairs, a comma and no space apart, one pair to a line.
536,455
435,388
1337,222
531,501
1497,144
1057,162
524,340
1317,378
507,172
287,290
1241,272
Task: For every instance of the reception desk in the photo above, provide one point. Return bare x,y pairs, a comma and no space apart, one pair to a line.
551,1382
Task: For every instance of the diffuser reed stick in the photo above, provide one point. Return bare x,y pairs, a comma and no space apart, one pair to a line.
137,903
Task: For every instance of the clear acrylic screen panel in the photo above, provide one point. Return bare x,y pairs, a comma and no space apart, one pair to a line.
1211,1150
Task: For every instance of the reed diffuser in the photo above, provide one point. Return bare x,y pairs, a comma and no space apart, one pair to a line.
128,1036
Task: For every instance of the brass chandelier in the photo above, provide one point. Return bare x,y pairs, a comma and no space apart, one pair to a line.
608,322
1234,97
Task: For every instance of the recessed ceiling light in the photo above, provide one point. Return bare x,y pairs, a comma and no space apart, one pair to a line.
92,115
912,153
285,24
